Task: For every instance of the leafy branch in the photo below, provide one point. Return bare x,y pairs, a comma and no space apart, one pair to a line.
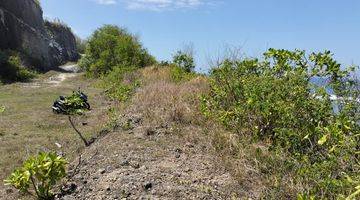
41,173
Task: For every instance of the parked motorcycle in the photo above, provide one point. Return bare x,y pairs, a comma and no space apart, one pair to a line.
59,105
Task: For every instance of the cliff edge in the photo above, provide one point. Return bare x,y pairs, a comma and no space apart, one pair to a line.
44,45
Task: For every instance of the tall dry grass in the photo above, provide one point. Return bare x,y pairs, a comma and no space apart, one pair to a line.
162,101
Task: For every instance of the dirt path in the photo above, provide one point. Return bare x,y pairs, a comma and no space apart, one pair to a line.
69,71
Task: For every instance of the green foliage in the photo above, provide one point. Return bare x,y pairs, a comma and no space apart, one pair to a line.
164,63
11,69
111,47
113,116
276,100
179,74
74,104
120,83
80,44
56,24
41,172
37,2
2,109
184,61
355,194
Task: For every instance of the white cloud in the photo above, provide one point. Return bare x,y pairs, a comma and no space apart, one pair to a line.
159,5
106,2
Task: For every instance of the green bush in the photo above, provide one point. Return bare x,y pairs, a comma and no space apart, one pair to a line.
164,63
179,74
120,83
80,44
41,172
276,99
11,69
111,47
184,61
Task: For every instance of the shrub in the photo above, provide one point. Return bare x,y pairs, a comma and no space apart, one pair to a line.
37,2
164,63
184,61
11,69
56,24
120,83
80,44
179,74
111,47
41,172
277,100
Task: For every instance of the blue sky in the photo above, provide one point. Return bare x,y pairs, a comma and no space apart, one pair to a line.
254,25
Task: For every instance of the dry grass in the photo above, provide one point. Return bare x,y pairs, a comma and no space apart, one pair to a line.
28,125
162,101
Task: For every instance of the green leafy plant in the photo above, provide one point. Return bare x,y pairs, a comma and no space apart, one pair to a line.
41,173
2,109
120,83
287,98
184,60
74,104
179,74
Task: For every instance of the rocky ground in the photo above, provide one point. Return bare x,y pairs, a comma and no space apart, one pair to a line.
149,163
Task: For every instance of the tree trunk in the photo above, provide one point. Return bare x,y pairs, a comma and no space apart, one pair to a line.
78,132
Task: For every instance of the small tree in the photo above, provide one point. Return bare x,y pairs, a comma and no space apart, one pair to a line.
80,44
111,47
75,105
41,173
184,61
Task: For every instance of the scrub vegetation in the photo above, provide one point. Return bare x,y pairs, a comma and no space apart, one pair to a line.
311,141
11,69
283,126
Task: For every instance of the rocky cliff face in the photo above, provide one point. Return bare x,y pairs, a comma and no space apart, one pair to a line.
43,44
